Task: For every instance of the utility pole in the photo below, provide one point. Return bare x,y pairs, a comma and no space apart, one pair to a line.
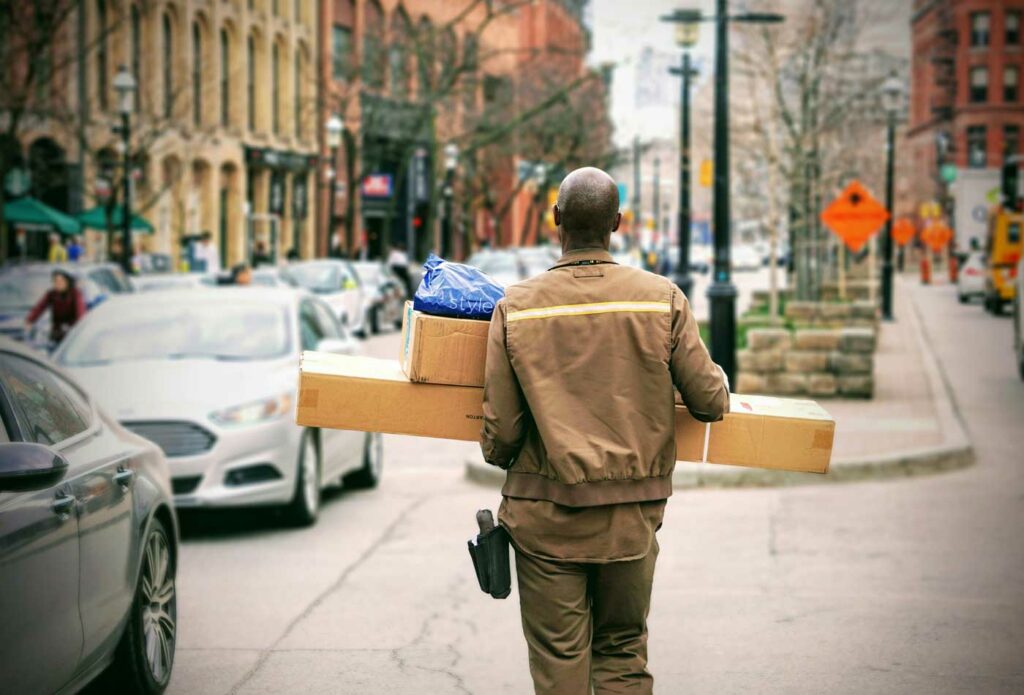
686,37
892,96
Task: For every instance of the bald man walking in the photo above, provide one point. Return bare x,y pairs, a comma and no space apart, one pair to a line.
583,363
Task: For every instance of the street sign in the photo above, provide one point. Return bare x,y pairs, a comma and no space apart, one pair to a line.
707,173
937,235
377,186
903,231
930,210
948,173
855,216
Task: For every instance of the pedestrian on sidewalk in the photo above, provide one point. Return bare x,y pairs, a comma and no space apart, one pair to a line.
398,262
583,362
65,304
56,253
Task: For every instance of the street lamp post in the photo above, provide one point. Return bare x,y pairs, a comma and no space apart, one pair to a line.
451,161
722,293
687,33
125,86
333,128
892,95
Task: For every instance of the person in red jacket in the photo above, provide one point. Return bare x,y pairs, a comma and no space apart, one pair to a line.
65,303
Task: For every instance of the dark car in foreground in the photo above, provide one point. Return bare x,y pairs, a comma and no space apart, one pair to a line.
88,540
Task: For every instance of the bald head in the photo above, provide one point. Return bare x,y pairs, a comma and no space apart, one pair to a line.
588,207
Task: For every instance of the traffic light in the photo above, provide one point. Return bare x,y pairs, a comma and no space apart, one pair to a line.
1011,183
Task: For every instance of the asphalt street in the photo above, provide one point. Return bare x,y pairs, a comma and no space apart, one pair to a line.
897,586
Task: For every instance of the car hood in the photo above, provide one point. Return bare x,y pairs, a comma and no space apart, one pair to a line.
183,389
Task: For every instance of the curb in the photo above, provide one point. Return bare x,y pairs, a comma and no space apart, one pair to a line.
955,453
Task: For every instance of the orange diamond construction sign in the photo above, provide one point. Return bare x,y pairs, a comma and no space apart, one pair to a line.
855,216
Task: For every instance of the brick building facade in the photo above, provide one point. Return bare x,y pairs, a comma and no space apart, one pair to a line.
967,101
407,78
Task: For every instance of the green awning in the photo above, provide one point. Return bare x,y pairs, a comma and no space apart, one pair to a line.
30,213
96,218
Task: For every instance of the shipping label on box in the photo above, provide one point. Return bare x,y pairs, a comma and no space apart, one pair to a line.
441,350
372,395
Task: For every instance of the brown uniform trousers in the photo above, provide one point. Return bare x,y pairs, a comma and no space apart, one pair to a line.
586,624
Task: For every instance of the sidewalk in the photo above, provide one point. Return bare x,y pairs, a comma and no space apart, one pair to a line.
909,428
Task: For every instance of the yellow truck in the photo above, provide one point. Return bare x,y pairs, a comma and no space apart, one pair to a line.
1003,253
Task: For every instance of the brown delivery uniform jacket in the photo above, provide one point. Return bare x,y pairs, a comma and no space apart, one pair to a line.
583,363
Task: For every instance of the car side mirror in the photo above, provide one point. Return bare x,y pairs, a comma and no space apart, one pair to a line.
336,346
26,467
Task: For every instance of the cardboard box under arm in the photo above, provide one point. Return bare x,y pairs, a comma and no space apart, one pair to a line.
373,395
441,350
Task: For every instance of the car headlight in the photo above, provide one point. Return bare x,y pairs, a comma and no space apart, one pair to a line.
254,412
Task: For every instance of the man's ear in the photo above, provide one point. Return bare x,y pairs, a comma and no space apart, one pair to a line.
617,222
557,215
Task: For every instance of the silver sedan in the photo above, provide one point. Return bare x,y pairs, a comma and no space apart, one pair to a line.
210,376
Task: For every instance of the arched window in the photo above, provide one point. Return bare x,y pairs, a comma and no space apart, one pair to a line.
250,86
398,54
168,50
225,79
373,40
275,85
136,53
300,69
197,74
102,75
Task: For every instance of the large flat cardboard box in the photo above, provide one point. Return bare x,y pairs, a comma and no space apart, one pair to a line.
441,350
372,395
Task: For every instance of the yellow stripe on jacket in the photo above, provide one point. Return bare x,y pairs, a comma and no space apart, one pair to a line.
585,309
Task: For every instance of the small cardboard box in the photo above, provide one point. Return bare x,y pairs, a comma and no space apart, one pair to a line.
372,395
440,350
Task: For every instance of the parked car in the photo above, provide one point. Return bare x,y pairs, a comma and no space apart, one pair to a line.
22,284
336,282
210,376
1018,319
701,258
745,257
511,265
384,295
168,281
88,540
971,279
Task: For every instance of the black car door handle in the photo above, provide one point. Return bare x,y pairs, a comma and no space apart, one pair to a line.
124,477
63,504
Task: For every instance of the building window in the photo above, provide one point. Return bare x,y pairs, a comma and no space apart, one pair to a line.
1012,27
1011,140
225,79
101,55
168,41
197,74
373,56
980,22
250,84
977,147
297,97
275,85
136,53
979,85
341,52
1011,79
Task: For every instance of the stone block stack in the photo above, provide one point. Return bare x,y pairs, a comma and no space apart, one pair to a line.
809,361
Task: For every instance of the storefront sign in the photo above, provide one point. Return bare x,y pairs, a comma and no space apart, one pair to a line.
377,186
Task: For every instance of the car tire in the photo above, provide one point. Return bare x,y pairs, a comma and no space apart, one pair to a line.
305,503
964,299
369,475
133,669
374,321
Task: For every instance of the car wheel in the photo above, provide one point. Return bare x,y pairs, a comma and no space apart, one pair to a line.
963,298
373,464
145,654
305,504
374,321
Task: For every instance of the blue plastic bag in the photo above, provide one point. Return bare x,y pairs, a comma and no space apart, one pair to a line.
456,290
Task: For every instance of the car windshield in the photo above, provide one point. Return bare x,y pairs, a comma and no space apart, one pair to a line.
19,291
497,263
317,278
369,273
179,329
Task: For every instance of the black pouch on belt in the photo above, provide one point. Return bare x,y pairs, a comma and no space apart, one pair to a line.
489,552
